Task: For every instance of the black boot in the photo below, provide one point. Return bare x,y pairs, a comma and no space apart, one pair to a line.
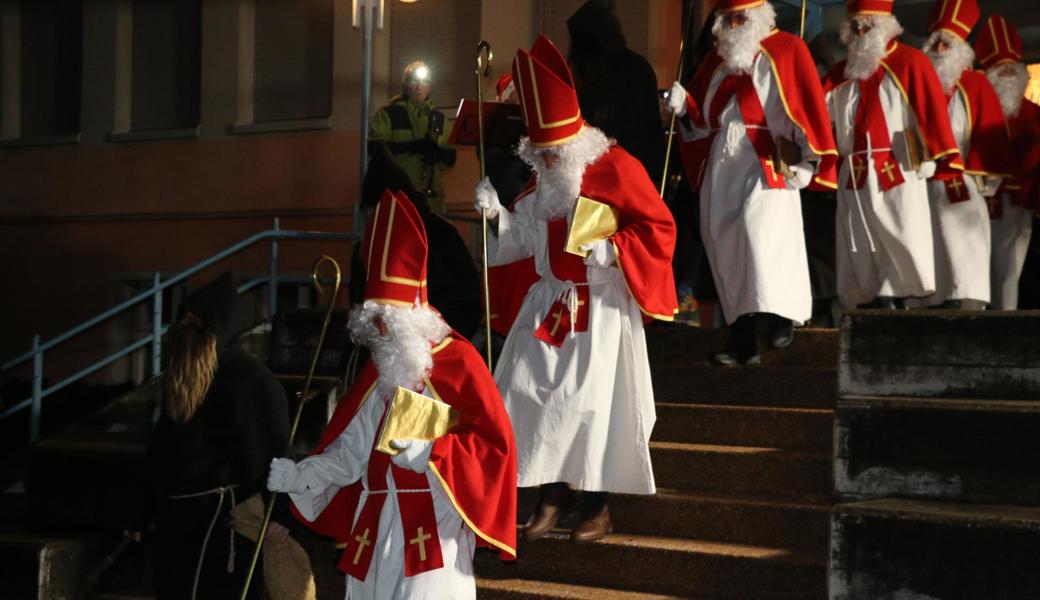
781,331
743,344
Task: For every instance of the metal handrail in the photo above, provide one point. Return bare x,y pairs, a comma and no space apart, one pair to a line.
154,338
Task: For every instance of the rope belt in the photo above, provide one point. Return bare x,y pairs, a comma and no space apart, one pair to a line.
221,492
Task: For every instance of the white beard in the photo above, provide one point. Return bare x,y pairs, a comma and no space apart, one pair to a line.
866,51
952,63
557,190
739,47
405,356
1011,89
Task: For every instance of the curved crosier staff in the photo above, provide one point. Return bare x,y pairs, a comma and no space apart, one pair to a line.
484,57
678,77
299,408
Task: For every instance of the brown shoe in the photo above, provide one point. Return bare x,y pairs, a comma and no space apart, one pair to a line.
555,499
593,528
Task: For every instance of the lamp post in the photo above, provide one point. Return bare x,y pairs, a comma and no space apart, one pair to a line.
365,11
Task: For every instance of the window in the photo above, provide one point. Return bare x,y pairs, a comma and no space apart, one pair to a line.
166,64
293,68
51,64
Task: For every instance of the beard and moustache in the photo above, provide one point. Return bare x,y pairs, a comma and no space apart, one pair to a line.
192,351
1010,87
404,356
558,188
738,47
867,50
951,63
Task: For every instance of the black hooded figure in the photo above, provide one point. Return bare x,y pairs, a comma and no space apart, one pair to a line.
454,283
224,417
617,87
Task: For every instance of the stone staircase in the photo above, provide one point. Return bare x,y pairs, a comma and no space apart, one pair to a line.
742,459
937,462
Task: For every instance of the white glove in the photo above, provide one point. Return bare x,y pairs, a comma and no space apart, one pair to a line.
414,455
990,187
487,198
601,254
285,477
926,170
803,173
677,99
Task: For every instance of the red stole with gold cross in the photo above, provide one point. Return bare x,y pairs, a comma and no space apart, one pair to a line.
422,551
870,119
565,267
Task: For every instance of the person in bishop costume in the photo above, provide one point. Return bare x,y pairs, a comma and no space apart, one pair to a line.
893,132
960,213
410,523
573,372
755,92
998,48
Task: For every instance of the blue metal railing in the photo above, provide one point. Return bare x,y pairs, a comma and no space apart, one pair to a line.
155,294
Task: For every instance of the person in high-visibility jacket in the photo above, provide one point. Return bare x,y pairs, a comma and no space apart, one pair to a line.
414,134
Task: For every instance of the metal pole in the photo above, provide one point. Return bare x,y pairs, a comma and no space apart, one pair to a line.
366,101
37,390
272,275
156,327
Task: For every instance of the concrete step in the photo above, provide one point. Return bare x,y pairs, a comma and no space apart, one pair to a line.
672,343
947,354
762,385
895,548
44,567
959,450
708,517
654,565
523,589
793,428
758,471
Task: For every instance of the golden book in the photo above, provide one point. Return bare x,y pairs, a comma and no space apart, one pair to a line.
413,416
909,149
593,221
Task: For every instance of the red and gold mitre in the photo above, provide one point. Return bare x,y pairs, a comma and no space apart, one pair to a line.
955,16
869,7
732,6
548,99
394,250
997,43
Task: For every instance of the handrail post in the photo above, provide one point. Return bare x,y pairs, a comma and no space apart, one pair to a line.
156,327
272,280
37,391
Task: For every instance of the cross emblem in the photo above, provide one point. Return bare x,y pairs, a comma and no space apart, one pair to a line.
857,168
420,538
956,185
558,316
887,169
362,541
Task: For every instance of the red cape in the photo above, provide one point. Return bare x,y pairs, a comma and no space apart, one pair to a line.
989,150
475,462
914,75
644,242
800,93
1025,142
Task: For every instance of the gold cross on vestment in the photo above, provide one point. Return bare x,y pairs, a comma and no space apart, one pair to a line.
420,539
858,167
956,185
362,541
558,316
888,168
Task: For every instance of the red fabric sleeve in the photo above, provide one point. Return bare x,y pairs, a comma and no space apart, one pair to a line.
476,461
645,240
923,91
990,147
